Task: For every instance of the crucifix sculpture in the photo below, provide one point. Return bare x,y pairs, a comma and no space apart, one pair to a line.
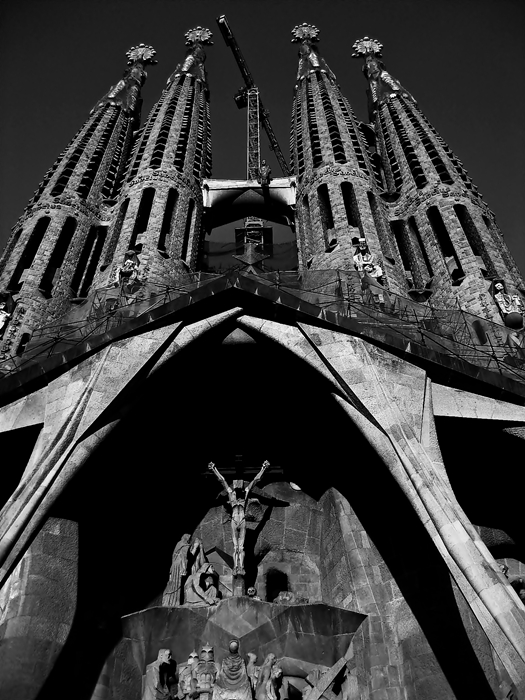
238,501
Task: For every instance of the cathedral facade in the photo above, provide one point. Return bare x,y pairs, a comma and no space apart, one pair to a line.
280,481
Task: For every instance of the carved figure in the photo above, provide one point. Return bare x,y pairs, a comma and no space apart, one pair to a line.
510,305
179,568
270,680
204,674
160,678
232,682
238,504
264,176
252,669
200,588
185,671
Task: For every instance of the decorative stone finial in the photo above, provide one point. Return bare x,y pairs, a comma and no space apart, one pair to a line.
143,53
367,47
305,32
199,35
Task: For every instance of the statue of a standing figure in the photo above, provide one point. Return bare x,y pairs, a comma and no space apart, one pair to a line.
179,568
238,502
160,678
233,681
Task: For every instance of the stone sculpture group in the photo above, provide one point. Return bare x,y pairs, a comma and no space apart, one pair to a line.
203,678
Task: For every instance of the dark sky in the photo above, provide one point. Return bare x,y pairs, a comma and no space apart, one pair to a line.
463,60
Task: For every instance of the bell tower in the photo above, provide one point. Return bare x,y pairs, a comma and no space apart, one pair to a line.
55,248
160,205
446,235
339,178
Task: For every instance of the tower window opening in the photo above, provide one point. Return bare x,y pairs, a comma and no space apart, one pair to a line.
331,122
276,582
474,238
349,120
142,139
110,250
187,230
445,244
114,174
380,226
184,135
408,253
327,219
429,147
167,220
92,168
83,260
414,229
144,211
71,163
315,143
29,253
165,127
391,165
351,208
91,268
408,150
58,256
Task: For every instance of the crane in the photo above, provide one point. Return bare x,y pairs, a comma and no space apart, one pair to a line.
249,97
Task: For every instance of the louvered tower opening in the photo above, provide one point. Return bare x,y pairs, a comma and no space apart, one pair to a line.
331,122
165,127
88,178
315,142
413,161
69,167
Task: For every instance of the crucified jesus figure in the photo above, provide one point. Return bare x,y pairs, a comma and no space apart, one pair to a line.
238,505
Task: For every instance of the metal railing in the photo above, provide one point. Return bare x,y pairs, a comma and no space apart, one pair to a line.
379,312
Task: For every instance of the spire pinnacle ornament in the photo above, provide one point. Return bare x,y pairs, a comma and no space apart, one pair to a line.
367,47
199,35
305,32
143,53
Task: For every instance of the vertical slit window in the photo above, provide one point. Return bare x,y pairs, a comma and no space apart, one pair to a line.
71,163
187,230
168,220
92,168
391,165
100,238
144,211
184,135
58,256
110,251
30,251
327,219
350,202
331,122
474,238
83,260
407,253
315,142
445,244
408,149
380,226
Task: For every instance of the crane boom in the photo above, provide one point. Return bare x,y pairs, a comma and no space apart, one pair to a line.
264,116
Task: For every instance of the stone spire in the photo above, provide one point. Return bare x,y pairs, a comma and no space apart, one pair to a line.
54,251
337,170
444,232
160,205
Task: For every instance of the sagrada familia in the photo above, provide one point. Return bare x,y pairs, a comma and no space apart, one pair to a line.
275,482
